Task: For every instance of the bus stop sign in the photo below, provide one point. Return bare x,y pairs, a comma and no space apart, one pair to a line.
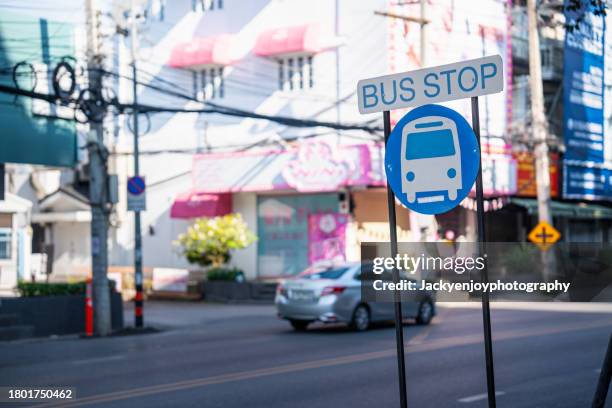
431,159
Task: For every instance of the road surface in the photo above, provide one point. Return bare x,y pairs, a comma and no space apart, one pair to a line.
243,356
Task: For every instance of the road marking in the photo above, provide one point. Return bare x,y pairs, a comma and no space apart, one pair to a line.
564,307
98,359
420,337
478,397
336,361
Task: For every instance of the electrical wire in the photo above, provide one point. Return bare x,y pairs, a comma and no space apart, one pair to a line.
211,108
230,111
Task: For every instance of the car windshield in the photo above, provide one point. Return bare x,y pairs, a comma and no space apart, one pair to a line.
425,145
329,273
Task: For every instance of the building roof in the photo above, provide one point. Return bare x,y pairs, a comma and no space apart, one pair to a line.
64,197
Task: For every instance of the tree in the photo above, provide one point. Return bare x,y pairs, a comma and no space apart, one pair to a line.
209,241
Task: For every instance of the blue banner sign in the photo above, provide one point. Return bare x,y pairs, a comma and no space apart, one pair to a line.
584,176
584,86
590,182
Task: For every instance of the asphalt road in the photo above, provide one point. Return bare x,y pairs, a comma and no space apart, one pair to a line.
243,356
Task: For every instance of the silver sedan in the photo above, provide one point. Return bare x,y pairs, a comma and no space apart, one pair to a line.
333,294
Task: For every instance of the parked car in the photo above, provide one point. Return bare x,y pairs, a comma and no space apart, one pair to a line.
332,294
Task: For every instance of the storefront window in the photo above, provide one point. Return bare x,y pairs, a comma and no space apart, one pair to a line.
282,228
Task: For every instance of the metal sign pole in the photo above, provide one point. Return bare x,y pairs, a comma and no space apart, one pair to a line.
486,312
399,330
604,379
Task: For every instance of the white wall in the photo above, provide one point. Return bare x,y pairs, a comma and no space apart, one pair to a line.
72,248
250,84
158,229
246,259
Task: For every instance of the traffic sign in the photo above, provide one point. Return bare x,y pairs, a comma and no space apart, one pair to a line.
431,159
137,198
466,79
544,235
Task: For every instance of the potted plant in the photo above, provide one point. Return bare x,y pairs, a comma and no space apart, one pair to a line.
209,243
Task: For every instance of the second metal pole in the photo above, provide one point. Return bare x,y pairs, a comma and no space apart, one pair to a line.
399,328
138,278
599,401
486,312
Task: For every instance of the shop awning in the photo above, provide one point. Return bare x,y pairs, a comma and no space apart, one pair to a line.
200,52
566,209
193,205
289,40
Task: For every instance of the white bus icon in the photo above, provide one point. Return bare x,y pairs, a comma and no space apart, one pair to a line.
430,159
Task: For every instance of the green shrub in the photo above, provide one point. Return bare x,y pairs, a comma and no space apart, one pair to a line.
225,274
31,289
209,241
521,259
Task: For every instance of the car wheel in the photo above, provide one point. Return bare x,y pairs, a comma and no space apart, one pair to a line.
426,312
361,318
299,325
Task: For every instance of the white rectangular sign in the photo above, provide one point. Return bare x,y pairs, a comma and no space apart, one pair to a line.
481,76
170,279
137,202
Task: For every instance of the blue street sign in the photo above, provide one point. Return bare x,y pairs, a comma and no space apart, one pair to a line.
136,185
431,159
136,198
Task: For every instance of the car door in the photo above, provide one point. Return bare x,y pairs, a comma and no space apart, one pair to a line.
379,310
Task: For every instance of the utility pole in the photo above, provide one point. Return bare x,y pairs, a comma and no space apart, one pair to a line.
138,278
424,223
337,55
539,126
97,180
423,33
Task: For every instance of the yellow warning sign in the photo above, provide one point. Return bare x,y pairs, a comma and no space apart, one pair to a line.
544,235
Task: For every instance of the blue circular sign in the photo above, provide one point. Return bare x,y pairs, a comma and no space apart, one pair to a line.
136,185
432,159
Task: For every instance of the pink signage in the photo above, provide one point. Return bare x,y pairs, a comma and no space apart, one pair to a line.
326,237
317,167
313,166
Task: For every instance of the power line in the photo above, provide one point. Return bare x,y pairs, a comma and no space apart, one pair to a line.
236,112
84,104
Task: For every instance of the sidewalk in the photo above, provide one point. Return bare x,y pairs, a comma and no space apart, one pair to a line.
571,307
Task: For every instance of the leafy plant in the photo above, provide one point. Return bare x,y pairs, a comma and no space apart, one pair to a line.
225,274
209,241
521,259
32,289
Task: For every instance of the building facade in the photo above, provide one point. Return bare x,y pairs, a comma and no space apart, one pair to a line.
309,192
